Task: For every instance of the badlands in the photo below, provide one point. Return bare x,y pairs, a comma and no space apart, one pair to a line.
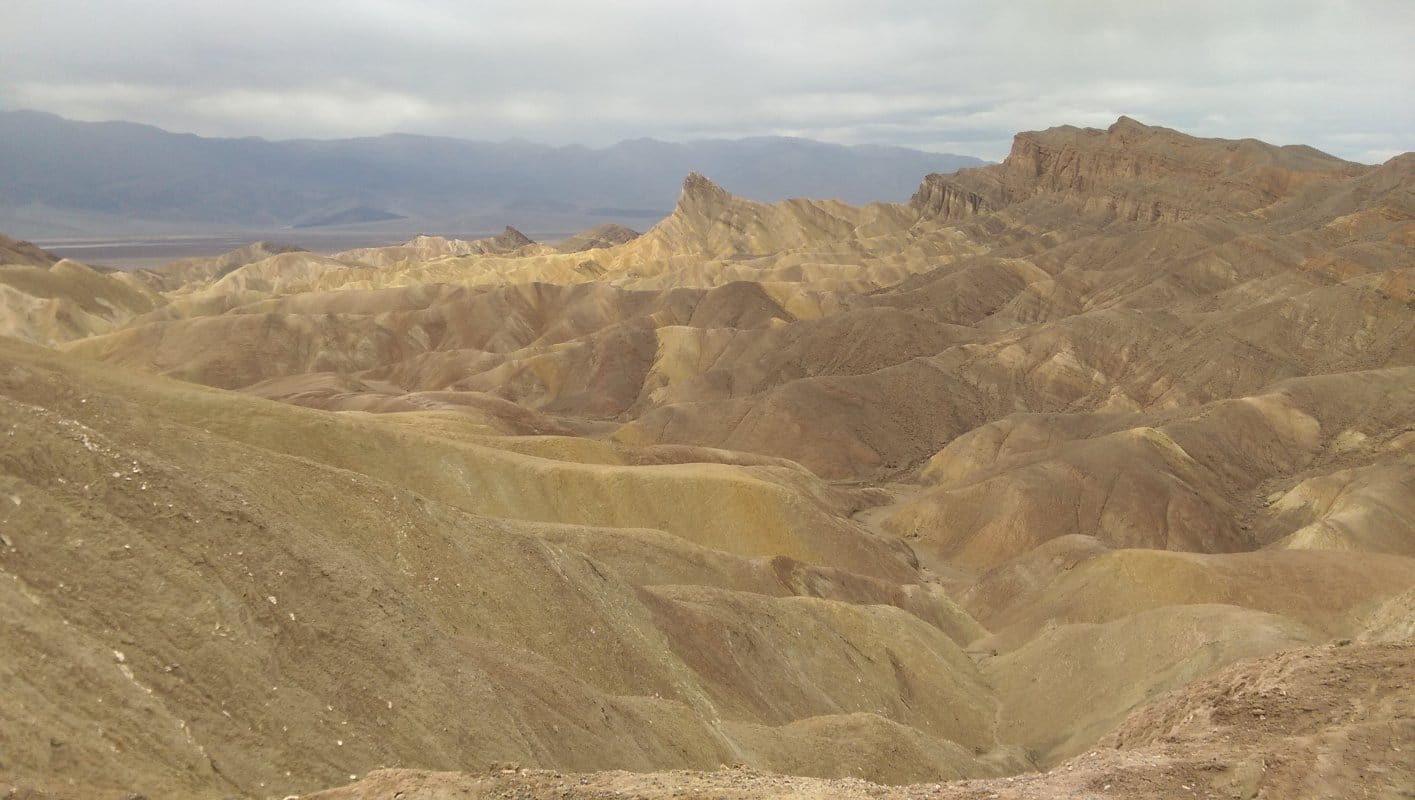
1086,474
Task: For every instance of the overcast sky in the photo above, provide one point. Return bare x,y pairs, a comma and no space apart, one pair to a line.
947,76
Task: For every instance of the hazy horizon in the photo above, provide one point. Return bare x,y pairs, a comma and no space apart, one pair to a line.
502,141
947,77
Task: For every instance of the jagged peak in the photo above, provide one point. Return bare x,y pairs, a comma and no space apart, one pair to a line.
698,186
513,236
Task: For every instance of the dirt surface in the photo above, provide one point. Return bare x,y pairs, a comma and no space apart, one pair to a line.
1059,481
1328,722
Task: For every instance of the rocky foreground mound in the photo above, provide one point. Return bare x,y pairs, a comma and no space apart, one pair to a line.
1315,722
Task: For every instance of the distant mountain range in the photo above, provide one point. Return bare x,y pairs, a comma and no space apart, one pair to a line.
58,176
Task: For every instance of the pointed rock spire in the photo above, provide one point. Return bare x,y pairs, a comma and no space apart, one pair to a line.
697,187
511,239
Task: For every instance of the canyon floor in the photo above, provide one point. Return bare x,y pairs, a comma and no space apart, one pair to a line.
1086,474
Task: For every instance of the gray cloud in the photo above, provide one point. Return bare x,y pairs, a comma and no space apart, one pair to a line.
954,76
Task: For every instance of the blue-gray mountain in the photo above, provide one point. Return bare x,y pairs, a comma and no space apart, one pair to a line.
107,173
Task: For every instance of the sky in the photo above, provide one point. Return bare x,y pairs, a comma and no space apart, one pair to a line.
959,77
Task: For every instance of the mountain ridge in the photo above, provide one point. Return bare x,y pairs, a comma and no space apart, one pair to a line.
1136,171
112,171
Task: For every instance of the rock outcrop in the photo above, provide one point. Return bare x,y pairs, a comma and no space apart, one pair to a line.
1134,172
425,248
16,252
598,238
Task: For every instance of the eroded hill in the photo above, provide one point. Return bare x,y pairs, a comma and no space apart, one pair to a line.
1029,473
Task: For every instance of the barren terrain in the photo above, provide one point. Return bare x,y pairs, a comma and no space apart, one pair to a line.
1087,474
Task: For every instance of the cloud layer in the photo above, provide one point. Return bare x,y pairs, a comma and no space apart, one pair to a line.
948,76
